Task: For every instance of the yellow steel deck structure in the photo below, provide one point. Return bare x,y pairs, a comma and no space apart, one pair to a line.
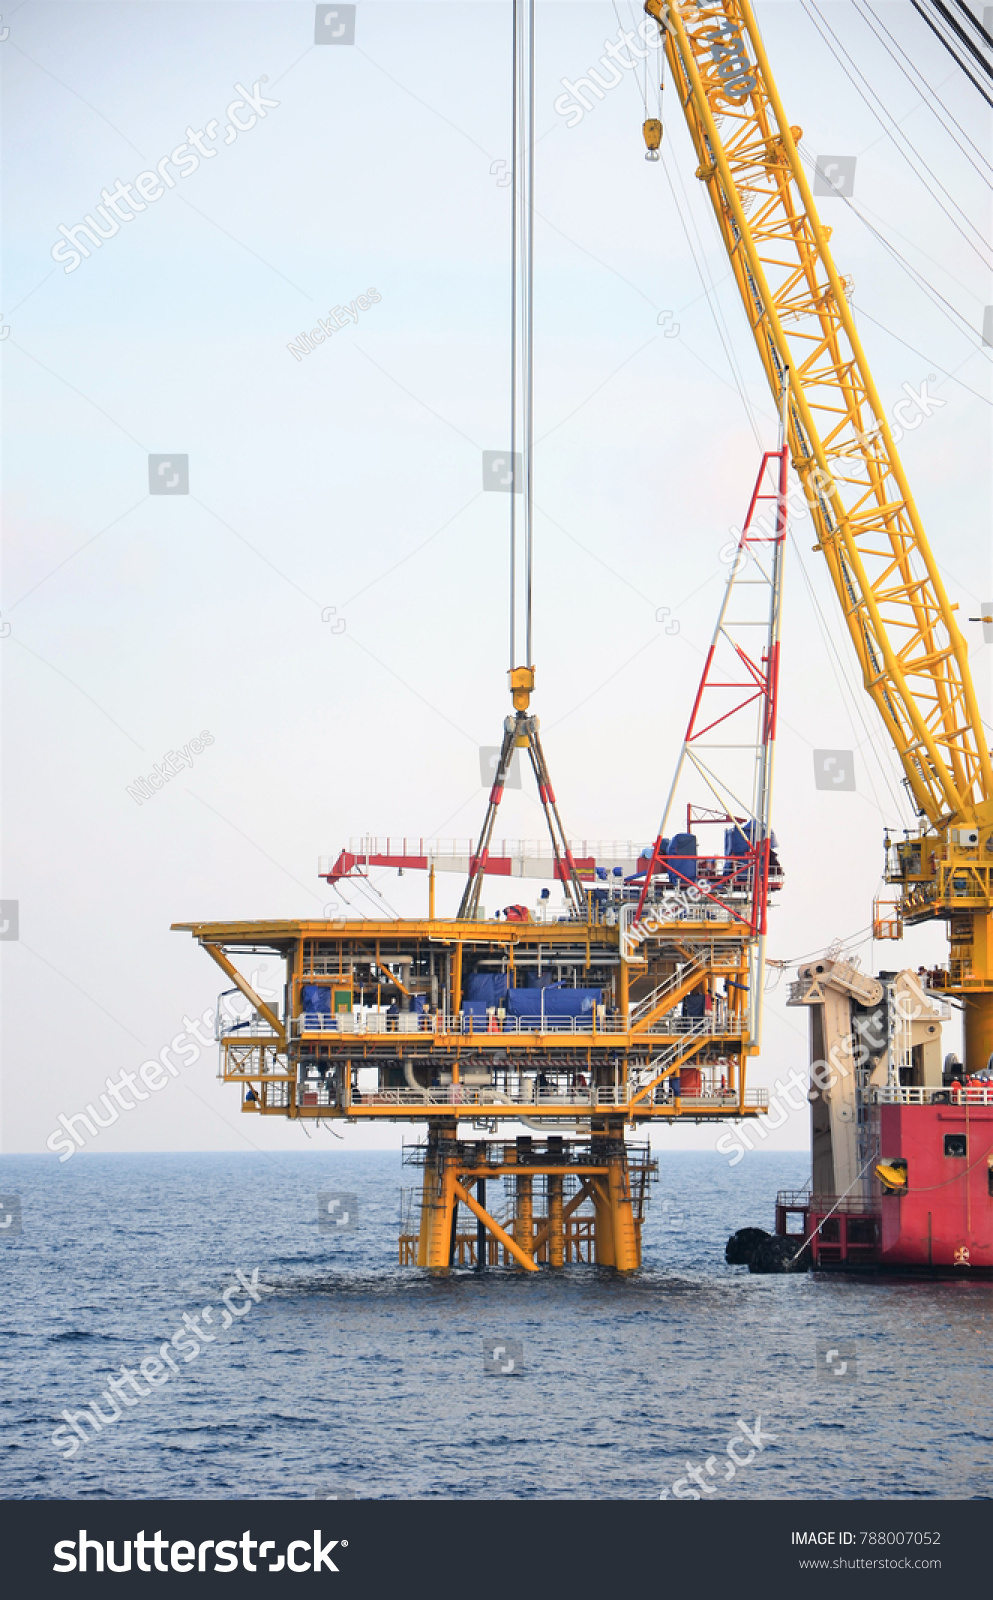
372,1026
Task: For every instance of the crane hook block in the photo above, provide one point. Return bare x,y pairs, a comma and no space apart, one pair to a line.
521,686
652,130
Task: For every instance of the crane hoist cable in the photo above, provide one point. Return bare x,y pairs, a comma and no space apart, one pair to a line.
836,660
641,86
522,324
520,731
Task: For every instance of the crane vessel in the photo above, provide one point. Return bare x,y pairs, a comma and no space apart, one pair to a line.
902,1134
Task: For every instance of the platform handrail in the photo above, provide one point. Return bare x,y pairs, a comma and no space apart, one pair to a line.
318,1093
716,1022
917,1095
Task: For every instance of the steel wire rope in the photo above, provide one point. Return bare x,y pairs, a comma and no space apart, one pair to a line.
791,1264
709,290
824,29
710,294
929,1188
895,121
916,277
953,377
530,340
942,39
863,6
620,28
842,672
960,33
979,26
789,961
369,892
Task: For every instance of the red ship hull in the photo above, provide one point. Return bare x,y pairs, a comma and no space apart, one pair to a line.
942,1222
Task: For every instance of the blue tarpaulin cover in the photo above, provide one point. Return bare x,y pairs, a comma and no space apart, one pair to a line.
490,987
682,854
552,1001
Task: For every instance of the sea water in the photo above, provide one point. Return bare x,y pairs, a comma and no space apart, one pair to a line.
330,1371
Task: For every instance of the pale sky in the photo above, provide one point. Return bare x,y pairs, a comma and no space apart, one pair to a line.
351,478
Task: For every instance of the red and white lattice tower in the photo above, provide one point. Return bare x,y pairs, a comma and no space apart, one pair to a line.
725,767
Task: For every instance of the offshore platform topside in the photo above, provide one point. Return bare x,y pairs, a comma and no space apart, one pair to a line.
577,1027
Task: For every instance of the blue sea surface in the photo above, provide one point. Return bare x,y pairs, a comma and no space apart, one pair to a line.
351,1376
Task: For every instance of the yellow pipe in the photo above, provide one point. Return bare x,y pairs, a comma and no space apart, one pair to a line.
457,980
245,987
584,1193
603,1226
626,1252
509,1244
381,966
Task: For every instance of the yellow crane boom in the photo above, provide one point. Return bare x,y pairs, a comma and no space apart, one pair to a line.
913,656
